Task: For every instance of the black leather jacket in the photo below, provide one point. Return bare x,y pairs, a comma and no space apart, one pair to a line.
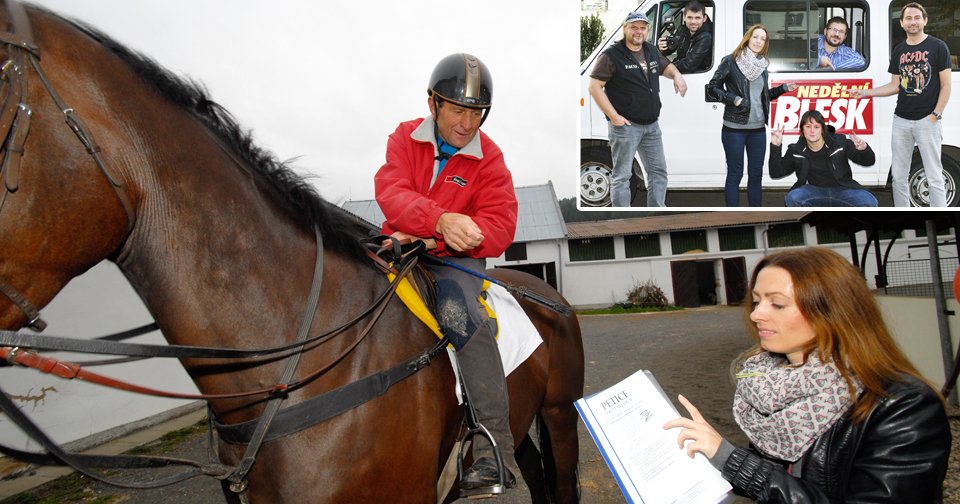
728,83
693,52
897,455
841,151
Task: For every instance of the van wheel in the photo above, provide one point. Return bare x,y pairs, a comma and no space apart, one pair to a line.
596,169
920,191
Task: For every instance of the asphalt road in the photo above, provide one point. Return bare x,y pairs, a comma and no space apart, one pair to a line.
689,352
771,198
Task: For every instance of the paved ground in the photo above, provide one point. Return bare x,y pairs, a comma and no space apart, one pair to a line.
689,352
772,198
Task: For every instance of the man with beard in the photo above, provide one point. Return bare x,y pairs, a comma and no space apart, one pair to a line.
625,86
694,42
831,51
920,77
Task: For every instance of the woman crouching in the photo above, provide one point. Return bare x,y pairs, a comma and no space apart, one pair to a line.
821,160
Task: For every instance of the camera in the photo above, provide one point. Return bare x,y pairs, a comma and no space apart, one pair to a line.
673,41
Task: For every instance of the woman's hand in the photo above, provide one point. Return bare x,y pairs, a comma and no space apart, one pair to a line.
776,137
858,143
704,438
791,87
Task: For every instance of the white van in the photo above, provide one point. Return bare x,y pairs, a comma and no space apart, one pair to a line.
691,125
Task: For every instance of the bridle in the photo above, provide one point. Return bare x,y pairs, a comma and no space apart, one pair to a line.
15,126
14,346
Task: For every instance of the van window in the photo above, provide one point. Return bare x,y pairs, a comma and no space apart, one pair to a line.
796,30
943,22
671,26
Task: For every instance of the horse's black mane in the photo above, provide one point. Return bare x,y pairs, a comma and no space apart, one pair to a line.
341,230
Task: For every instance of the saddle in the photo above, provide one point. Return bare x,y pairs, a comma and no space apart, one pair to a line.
418,290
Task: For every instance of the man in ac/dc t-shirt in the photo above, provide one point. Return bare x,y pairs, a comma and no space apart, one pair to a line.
920,70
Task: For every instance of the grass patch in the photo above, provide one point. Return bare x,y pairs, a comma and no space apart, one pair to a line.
78,489
619,310
170,440
71,489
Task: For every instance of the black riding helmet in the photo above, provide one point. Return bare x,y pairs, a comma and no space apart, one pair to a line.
463,79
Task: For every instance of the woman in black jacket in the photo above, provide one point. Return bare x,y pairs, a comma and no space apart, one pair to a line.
834,411
821,160
740,82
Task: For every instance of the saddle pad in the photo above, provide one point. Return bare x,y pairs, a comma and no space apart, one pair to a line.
516,335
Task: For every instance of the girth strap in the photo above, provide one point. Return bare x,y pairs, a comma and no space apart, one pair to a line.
330,404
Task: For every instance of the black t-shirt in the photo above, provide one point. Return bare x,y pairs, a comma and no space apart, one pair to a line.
820,174
919,68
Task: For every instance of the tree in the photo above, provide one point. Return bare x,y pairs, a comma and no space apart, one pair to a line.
591,32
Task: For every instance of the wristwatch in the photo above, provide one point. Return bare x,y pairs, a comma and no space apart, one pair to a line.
939,116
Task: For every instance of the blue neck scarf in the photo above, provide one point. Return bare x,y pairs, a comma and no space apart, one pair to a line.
446,152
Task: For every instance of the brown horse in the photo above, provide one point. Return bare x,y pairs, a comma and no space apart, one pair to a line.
217,237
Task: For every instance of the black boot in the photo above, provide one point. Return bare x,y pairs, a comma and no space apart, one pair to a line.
482,374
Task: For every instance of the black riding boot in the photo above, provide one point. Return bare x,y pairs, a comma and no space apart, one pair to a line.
482,373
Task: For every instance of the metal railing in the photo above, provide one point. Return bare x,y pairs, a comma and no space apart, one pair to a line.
913,277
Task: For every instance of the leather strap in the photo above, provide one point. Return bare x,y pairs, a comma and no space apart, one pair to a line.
239,476
330,404
31,311
57,456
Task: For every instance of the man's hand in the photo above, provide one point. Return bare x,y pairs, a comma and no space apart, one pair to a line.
826,63
619,120
662,43
857,93
459,231
405,238
679,85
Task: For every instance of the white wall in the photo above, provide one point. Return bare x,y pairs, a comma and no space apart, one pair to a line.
913,323
97,303
602,283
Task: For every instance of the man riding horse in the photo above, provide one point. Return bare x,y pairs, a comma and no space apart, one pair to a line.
445,183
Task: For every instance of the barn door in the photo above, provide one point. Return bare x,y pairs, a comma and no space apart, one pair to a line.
735,279
686,290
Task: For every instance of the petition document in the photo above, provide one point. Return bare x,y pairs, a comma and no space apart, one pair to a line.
626,421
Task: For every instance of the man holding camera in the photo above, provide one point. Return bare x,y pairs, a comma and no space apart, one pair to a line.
693,43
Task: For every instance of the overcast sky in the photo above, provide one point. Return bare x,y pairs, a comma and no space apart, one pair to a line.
328,81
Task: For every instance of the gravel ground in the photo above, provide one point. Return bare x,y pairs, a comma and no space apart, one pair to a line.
689,352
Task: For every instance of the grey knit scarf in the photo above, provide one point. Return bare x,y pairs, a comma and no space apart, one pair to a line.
750,64
783,409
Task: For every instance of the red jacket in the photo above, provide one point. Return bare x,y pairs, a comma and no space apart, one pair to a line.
474,182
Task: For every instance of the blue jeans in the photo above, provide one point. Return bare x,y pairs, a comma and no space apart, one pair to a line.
927,135
814,196
734,143
625,142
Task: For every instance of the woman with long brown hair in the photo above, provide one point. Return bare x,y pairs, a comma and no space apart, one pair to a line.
740,82
833,409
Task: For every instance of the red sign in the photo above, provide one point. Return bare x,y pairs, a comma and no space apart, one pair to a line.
847,115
